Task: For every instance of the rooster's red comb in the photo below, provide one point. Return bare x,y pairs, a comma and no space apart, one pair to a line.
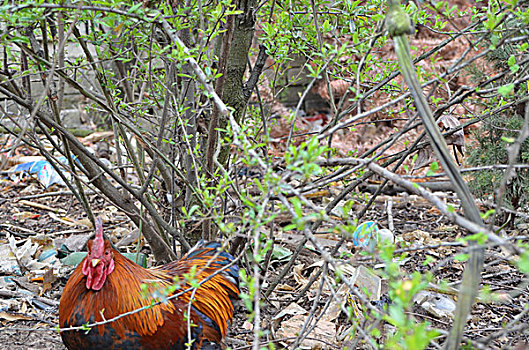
98,247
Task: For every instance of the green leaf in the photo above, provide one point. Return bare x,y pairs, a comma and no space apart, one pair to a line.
281,253
511,61
461,257
429,259
480,238
506,90
134,8
523,262
375,332
486,215
434,166
398,317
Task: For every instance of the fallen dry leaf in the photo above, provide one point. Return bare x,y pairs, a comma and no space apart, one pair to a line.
13,316
324,330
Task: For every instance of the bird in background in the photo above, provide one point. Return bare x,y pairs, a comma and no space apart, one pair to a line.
106,285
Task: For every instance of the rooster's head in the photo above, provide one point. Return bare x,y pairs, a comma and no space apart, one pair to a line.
99,262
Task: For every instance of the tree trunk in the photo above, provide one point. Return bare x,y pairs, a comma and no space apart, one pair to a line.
233,93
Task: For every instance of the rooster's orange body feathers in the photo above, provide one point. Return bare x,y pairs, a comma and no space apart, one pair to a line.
163,326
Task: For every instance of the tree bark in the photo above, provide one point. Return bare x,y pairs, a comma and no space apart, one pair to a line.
233,92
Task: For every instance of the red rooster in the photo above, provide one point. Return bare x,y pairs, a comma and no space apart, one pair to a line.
106,285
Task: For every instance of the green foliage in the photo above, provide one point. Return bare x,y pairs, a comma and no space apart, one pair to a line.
434,166
491,149
302,159
523,263
499,130
409,333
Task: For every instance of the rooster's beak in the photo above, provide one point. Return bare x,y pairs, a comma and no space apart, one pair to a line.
95,262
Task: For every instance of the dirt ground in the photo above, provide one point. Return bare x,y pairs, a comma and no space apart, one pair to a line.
29,315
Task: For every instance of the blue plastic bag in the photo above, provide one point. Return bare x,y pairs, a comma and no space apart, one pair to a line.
46,173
